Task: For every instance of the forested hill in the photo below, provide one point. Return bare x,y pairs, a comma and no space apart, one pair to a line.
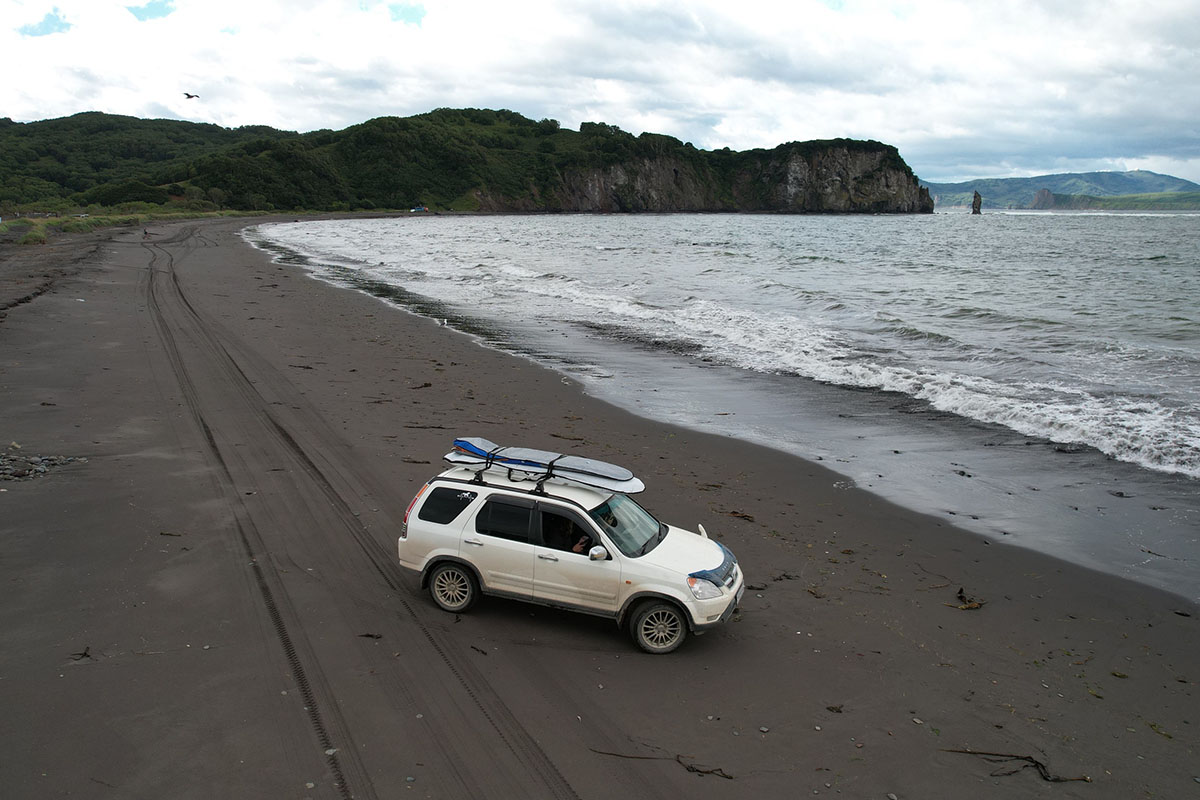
451,159
1020,192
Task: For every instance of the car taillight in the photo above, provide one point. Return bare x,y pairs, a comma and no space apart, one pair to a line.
404,525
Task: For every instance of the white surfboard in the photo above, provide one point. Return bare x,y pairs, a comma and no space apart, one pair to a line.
475,451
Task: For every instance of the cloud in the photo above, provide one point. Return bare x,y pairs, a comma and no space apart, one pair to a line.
155,9
53,22
412,13
1025,85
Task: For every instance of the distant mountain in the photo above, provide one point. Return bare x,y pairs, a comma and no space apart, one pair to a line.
1020,192
1159,201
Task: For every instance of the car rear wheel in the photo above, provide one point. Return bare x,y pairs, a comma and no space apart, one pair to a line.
659,627
452,587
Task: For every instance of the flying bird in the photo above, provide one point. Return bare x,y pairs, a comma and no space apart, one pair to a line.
190,96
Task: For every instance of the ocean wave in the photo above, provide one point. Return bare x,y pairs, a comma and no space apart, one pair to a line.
1137,430
911,325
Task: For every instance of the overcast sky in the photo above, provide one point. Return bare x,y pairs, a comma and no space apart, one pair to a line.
965,89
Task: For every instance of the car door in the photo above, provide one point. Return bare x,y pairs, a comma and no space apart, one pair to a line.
563,574
500,545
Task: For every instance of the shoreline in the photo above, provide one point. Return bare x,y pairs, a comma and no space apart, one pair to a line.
253,437
1070,501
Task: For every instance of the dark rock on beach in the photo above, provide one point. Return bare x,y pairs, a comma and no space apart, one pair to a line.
18,466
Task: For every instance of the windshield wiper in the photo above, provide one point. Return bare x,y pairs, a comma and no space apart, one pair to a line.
653,541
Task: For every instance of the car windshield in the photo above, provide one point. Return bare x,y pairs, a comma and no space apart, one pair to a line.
633,530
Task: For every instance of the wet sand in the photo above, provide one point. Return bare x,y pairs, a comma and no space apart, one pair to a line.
206,602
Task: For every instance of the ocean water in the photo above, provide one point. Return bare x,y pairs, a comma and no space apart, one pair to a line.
1032,376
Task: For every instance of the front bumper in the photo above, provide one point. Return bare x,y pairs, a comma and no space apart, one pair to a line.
712,613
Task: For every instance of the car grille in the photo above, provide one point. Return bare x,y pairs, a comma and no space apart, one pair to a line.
731,578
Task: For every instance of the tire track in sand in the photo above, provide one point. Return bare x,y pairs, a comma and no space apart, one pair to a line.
176,319
279,611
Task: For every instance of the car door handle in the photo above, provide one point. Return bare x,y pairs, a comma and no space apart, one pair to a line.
475,542
547,556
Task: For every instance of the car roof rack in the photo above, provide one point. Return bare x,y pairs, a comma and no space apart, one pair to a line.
544,465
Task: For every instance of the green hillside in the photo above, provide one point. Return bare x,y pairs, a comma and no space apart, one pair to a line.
1157,201
1020,192
101,158
455,159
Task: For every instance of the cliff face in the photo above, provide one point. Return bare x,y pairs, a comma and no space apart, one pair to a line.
811,177
655,185
841,179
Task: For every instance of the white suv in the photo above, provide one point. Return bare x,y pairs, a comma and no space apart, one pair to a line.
525,529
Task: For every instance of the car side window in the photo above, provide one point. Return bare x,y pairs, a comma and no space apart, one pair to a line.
444,504
562,531
504,519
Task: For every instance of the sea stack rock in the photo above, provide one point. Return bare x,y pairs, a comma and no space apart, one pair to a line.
977,204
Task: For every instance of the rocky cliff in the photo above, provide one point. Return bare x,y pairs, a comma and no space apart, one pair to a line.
838,177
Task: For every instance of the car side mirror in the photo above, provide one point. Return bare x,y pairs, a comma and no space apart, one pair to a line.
598,553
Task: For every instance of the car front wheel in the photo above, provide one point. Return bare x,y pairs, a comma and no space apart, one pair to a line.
453,587
659,627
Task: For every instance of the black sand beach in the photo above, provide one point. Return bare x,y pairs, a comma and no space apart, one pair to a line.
205,601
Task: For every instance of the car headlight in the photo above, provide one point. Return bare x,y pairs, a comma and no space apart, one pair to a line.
702,589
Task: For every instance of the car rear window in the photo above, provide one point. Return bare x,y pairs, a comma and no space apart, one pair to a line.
504,519
444,504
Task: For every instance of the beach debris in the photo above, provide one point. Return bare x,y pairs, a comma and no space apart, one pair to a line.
742,515
1162,555
1154,726
479,650
169,533
370,636
85,653
1029,762
720,773
835,709
965,602
699,770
